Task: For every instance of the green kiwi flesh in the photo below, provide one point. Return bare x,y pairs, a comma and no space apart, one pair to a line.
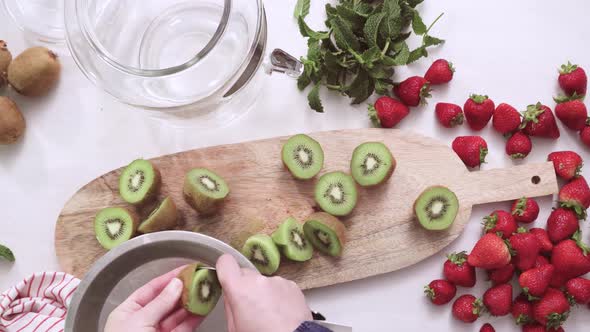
204,190
436,208
326,233
303,156
201,289
261,250
139,182
372,164
336,193
163,217
291,240
114,226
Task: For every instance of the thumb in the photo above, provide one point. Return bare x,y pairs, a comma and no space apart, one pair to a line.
163,304
228,273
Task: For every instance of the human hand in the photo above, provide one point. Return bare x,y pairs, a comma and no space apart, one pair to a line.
255,303
154,307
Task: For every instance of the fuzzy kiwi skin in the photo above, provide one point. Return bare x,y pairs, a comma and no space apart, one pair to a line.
332,222
166,218
5,59
12,122
34,72
204,205
186,276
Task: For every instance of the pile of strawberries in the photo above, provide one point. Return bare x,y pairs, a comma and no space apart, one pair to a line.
549,262
537,121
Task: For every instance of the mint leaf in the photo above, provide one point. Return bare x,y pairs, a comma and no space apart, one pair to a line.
431,41
314,99
417,24
306,31
363,9
6,253
345,38
370,56
383,87
380,71
417,54
371,28
391,8
414,3
361,88
356,21
391,26
403,55
301,8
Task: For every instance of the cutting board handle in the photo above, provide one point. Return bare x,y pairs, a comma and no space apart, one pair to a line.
502,184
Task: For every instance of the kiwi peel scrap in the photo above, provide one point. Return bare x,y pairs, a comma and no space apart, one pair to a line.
139,182
372,164
292,242
302,156
326,233
163,217
201,289
205,190
336,193
436,208
115,225
261,250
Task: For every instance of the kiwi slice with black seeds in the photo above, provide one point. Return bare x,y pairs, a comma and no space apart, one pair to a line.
303,156
204,190
372,164
336,193
163,217
326,233
292,242
201,289
261,250
139,182
436,208
114,226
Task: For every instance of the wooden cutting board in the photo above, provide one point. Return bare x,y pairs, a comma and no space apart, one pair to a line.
382,233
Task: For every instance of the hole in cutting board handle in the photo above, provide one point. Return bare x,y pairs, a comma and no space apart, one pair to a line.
536,179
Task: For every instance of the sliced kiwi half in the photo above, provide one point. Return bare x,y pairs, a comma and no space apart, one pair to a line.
372,164
436,208
292,242
201,289
114,226
204,190
303,156
163,217
261,250
139,182
336,193
326,233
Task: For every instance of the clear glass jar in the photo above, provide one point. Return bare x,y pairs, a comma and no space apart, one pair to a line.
176,56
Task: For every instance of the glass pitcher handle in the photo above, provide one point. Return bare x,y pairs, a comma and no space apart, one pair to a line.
285,63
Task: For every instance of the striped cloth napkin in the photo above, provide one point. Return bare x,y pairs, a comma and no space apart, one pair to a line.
38,303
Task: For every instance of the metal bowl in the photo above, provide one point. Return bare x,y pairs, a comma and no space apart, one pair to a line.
132,264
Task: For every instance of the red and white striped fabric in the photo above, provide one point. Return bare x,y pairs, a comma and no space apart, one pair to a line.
38,303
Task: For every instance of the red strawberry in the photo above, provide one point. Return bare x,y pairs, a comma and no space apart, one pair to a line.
534,327
387,112
522,310
440,291
502,275
585,134
471,149
572,79
478,111
489,253
441,71
541,260
506,119
500,222
458,271
576,196
567,164
539,122
543,239
449,115
467,308
562,224
534,282
570,259
552,309
579,290
527,249
487,327
413,91
498,300
572,112
518,146
525,210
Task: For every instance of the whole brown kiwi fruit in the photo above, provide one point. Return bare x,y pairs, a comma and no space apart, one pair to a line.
34,72
12,122
5,59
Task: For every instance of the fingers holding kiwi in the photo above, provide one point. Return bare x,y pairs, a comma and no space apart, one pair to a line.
201,289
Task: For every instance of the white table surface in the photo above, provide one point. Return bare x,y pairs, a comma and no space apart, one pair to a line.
509,50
